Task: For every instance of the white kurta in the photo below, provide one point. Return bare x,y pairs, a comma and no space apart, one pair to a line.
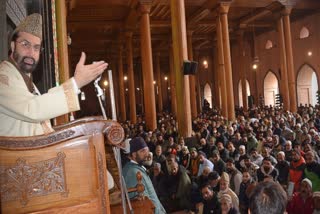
25,114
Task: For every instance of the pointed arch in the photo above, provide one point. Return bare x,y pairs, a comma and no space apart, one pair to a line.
307,85
240,91
208,94
271,88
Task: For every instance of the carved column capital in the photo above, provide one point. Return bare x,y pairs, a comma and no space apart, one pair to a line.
145,6
286,11
224,7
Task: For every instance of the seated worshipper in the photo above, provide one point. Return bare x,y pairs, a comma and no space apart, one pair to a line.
210,200
186,157
283,168
23,111
235,176
204,162
226,206
214,181
247,165
224,153
316,203
296,170
179,188
301,202
194,163
224,189
139,153
203,178
233,153
149,162
219,164
246,186
267,198
312,171
166,166
158,180
255,157
267,171
158,156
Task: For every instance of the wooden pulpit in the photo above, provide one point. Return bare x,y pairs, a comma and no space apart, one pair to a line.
61,172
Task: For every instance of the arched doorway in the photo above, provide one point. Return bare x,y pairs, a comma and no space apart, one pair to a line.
307,86
208,94
271,88
240,92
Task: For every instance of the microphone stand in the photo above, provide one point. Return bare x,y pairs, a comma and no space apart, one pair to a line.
100,96
116,150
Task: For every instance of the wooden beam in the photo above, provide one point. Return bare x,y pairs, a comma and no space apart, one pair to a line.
202,12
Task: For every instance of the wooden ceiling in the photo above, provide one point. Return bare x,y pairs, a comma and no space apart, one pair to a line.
98,26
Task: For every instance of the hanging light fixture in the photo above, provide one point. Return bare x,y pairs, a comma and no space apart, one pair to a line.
255,62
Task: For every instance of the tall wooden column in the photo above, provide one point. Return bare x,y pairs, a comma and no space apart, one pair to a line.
132,91
172,84
147,69
123,115
216,74
192,79
224,9
283,66
180,53
242,70
62,49
221,70
289,55
197,80
159,83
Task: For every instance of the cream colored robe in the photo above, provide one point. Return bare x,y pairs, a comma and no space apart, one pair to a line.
25,114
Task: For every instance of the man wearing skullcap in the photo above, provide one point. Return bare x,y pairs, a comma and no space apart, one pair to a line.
139,152
23,111
302,201
225,189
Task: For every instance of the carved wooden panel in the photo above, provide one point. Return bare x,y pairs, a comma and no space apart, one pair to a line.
52,139
101,184
23,180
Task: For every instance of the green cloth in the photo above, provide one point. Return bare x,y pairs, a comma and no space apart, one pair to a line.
129,173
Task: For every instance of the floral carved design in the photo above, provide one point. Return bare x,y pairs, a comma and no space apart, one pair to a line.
23,180
101,184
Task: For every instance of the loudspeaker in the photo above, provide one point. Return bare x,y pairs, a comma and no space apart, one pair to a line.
189,67
250,101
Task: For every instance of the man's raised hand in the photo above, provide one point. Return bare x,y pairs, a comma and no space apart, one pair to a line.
84,74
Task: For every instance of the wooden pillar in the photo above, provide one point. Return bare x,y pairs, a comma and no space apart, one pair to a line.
180,53
3,32
192,78
131,91
198,87
123,115
289,55
242,70
221,71
62,38
147,69
283,66
224,9
172,84
159,83
216,76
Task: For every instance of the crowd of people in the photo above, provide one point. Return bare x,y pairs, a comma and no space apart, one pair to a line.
220,167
